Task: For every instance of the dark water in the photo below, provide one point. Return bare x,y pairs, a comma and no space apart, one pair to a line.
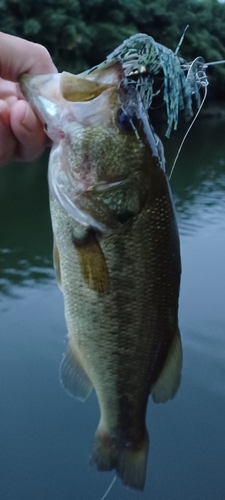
46,436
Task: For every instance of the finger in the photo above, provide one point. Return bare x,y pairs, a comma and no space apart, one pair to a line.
7,88
19,56
28,130
4,112
10,91
8,141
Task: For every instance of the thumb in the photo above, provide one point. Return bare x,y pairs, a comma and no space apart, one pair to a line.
19,56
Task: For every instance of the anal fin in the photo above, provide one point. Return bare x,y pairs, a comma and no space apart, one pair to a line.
168,381
73,376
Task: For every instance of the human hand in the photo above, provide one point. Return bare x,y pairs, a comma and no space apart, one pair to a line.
22,136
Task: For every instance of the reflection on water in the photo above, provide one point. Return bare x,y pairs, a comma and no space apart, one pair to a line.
16,272
26,241
198,181
46,436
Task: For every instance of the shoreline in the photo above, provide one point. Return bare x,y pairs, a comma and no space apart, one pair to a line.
214,110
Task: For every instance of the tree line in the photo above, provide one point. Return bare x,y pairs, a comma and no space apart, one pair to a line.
80,33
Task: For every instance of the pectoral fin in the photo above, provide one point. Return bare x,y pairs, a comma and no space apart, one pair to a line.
93,263
73,376
168,381
56,262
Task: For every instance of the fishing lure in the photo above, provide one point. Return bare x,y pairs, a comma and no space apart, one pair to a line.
144,60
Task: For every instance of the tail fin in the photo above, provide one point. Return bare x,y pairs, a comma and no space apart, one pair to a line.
129,461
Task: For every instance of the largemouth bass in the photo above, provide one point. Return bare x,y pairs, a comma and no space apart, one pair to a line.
116,255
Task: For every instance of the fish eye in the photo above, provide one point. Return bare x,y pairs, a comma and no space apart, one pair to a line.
124,121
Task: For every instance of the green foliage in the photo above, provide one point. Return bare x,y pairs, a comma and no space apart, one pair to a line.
80,33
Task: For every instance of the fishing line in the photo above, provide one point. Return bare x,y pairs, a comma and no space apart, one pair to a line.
188,130
109,488
181,40
196,71
213,63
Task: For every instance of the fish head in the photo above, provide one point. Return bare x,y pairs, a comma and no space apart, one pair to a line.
100,132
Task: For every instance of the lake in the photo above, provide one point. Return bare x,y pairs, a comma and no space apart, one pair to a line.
45,435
